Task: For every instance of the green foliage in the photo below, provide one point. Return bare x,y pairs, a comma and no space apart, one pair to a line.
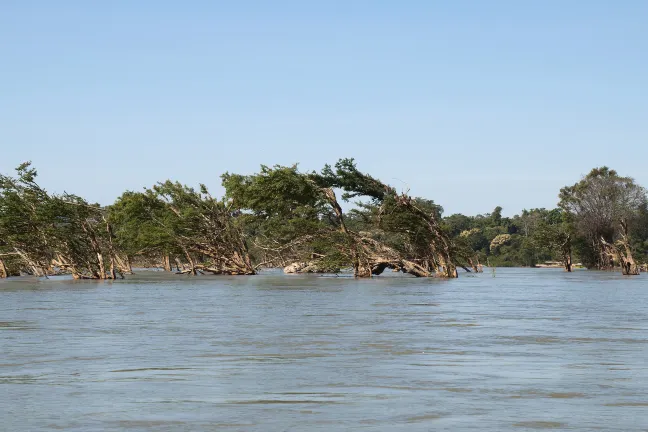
138,221
279,205
281,215
47,231
503,241
354,183
599,208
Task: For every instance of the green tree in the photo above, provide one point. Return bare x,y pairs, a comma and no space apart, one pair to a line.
49,232
603,208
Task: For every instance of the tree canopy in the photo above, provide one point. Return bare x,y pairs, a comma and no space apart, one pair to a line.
283,217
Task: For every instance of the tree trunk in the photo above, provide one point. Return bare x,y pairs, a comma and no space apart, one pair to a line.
3,270
101,274
605,257
113,271
167,263
35,267
567,261
124,264
368,256
178,264
114,259
566,252
358,270
192,264
629,266
476,266
621,253
440,245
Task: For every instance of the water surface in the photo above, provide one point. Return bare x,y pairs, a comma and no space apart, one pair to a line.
534,349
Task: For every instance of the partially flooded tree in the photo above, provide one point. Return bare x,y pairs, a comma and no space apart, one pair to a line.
287,218
281,217
54,233
604,206
297,221
439,254
553,233
136,220
203,228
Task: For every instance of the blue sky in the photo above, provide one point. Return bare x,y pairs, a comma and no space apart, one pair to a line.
471,103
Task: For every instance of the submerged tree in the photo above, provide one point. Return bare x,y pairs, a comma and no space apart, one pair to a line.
439,254
286,218
170,220
281,217
138,222
296,218
553,233
50,233
604,207
203,226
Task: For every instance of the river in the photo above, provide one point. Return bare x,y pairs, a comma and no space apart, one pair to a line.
529,349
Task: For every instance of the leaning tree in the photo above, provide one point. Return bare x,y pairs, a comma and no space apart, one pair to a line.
296,218
176,218
45,233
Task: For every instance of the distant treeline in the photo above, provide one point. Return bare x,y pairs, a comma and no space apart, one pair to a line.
282,217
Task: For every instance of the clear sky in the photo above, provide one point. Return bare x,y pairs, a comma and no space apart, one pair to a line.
471,103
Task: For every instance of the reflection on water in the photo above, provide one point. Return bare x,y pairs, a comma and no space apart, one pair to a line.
527,350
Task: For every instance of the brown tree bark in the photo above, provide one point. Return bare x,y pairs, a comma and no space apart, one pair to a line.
101,274
359,270
566,251
475,264
621,253
167,263
124,264
36,268
440,246
3,270
629,266
192,264
111,252
368,256
567,262
178,264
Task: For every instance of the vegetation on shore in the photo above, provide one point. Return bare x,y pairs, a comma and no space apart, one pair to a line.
282,217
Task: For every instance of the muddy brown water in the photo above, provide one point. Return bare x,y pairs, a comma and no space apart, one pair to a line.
531,349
